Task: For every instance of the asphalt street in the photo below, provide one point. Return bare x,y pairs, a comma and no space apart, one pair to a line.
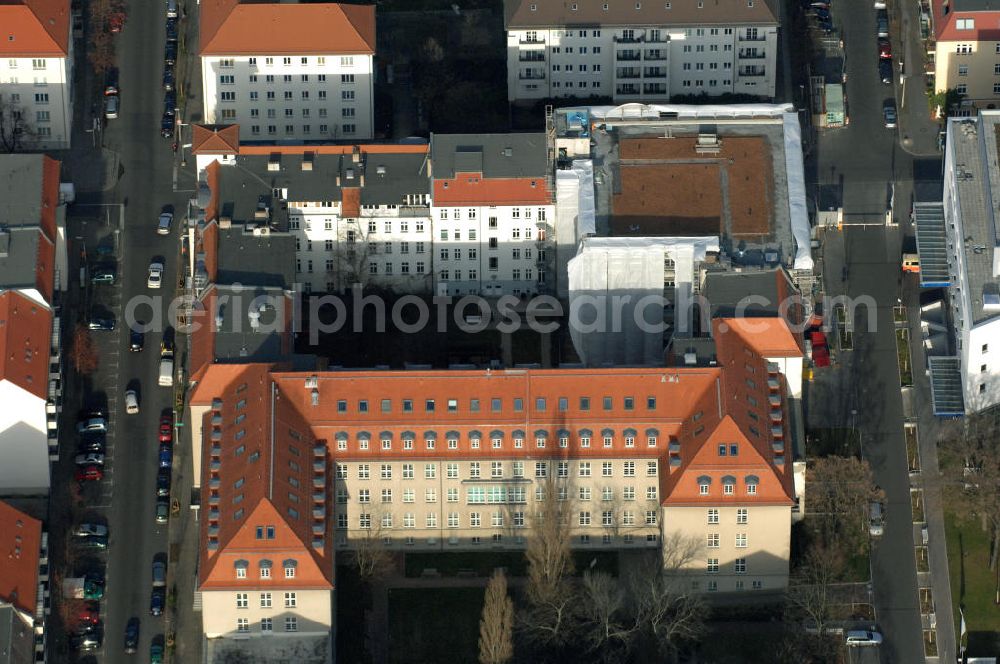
864,168
125,500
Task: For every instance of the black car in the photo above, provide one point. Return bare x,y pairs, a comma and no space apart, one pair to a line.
136,339
167,125
163,482
101,324
156,601
88,640
171,29
132,635
168,78
93,542
885,71
170,102
103,275
170,53
91,444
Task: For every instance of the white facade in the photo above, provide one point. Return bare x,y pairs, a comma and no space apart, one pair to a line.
291,98
493,250
641,62
41,89
266,612
23,442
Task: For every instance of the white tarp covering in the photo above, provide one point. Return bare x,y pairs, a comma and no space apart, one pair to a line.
637,111
798,213
575,211
615,291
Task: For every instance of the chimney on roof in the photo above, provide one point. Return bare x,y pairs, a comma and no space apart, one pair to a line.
307,161
690,359
314,396
254,315
356,154
274,162
380,171
4,243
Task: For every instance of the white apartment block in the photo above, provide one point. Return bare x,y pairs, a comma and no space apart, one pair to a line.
36,75
312,80
493,208
640,51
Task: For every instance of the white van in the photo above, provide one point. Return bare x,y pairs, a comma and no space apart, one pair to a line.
131,402
876,519
171,8
863,638
166,371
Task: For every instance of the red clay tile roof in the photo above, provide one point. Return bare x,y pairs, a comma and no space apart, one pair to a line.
333,149
34,28
987,23
215,139
771,337
350,202
231,28
474,189
45,267
25,337
50,196
20,544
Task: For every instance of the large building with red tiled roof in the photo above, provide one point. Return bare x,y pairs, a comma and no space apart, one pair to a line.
303,466
33,268
23,600
299,72
36,73
966,39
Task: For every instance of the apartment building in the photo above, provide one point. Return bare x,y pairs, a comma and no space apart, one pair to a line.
958,241
967,51
493,210
24,591
640,51
289,72
32,270
36,75
460,460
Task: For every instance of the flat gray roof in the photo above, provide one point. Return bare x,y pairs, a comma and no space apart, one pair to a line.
255,260
493,155
946,386
21,189
19,256
932,244
17,641
726,291
236,340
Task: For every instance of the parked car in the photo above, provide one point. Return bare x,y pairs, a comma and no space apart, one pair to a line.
111,103
163,482
103,275
157,599
168,78
136,341
92,424
159,573
863,638
169,102
876,518
86,642
131,636
166,429
111,82
162,509
88,529
884,48
171,29
131,402
882,23
885,71
94,542
89,459
821,13
167,125
101,324
92,442
89,614
170,53
156,653
163,223
166,456
89,474
889,115
155,276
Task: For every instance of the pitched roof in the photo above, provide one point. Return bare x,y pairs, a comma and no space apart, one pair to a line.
555,13
34,28
231,28
771,337
491,169
215,139
472,189
25,339
985,16
20,547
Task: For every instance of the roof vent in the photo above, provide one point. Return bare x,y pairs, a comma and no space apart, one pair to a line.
218,318
314,395
356,154
380,171
350,174
508,152
254,315
274,162
690,359
225,222
307,161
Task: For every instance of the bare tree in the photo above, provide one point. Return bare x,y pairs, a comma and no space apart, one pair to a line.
609,621
369,552
810,591
15,132
551,595
840,490
82,353
496,626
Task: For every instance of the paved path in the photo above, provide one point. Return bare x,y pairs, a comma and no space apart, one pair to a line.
917,130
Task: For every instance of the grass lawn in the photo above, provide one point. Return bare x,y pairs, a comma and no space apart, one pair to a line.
973,584
431,625
912,450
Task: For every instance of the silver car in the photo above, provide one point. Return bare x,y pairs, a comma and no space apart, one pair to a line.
163,226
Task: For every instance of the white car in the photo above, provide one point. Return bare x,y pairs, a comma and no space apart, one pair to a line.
131,402
91,530
863,638
155,278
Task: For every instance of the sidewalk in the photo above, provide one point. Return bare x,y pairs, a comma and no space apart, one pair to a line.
917,130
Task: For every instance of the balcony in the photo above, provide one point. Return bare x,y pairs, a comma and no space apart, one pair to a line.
654,72
319,512
319,466
531,76
627,56
319,451
627,89
319,482
214,483
318,528
215,465
773,368
777,415
532,56
749,72
777,432
629,39
319,496
532,41
774,400
216,420
654,89
627,73
216,449
751,54
654,55
412,211
752,38
773,383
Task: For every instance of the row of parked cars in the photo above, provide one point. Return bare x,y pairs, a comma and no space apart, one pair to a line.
169,118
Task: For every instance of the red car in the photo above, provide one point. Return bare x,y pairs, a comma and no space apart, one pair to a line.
884,49
89,614
89,474
166,429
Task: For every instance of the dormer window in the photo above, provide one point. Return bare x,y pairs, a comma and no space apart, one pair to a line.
265,569
241,568
728,485
704,482
289,566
